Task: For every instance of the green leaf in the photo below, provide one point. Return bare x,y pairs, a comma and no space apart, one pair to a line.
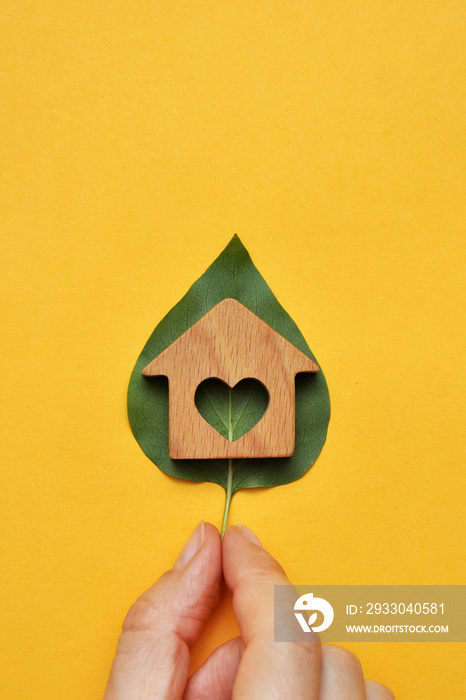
233,412
231,275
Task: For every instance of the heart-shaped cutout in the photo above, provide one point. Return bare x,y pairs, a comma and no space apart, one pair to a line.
232,411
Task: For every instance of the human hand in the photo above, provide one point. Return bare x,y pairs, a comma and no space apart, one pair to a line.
152,658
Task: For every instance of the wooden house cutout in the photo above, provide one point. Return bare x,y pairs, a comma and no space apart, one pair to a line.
230,343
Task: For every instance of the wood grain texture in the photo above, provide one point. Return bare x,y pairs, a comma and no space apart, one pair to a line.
230,343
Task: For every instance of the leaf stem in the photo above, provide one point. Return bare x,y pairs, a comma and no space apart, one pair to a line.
228,495
228,490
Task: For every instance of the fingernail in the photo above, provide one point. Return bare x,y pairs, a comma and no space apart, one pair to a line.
191,547
249,534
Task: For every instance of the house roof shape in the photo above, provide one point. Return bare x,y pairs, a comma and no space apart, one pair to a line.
230,343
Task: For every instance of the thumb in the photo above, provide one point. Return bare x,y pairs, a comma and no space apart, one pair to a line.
152,657
267,669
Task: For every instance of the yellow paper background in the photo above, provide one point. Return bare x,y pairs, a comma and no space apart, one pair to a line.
136,138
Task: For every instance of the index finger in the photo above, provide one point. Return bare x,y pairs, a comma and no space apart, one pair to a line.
268,669
152,657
